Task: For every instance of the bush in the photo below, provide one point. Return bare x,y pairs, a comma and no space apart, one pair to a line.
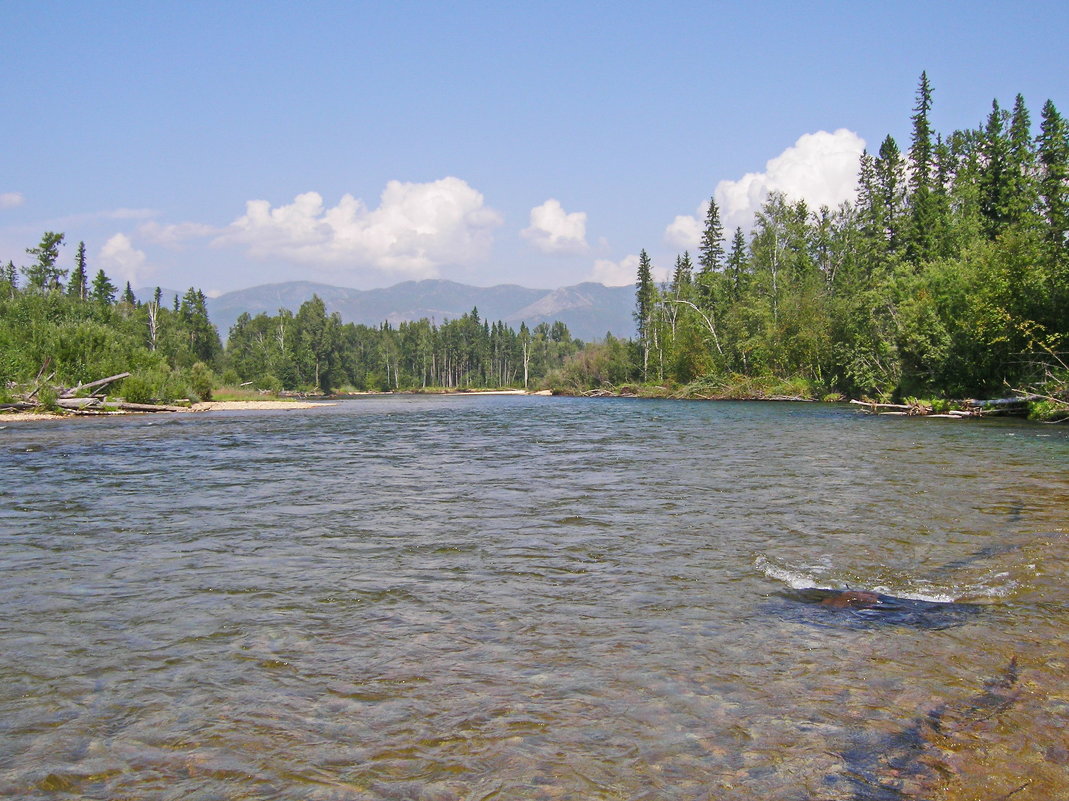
138,389
268,383
201,381
159,385
47,397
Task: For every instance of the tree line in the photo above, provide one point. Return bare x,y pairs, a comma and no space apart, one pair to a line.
948,276
54,321
313,349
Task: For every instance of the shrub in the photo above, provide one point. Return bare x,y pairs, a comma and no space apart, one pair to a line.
201,381
47,397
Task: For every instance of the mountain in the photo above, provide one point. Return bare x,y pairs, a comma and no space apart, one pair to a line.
589,310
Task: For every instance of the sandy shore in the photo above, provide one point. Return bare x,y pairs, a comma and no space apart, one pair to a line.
223,406
210,406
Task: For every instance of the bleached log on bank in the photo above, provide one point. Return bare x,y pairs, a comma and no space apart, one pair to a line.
100,382
78,404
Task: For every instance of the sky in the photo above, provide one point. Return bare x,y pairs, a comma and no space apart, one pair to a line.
227,145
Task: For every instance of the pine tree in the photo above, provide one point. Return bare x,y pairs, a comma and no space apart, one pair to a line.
1054,178
43,274
645,299
711,249
78,287
922,205
1022,191
737,265
128,296
102,291
889,177
994,182
683,276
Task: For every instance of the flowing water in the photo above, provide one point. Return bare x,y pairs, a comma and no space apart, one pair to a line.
533,598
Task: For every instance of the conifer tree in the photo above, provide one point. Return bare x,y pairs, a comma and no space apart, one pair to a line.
736,265
994,181
889,178
645,298
43,273
1054,178
1022,192
128,296
102,291
711,249
78,286
922,231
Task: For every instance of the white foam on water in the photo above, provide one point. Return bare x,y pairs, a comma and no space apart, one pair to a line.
795,579
992,586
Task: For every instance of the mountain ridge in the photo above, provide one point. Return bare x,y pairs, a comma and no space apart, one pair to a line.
589,310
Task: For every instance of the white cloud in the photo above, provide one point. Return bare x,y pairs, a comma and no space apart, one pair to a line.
415,229
615,273
820,168
129,214
122,261
9,200
553,230
685,231
175,234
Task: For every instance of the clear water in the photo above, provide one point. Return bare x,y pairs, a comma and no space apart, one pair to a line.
530,598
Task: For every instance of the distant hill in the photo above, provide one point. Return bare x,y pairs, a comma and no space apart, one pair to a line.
589,310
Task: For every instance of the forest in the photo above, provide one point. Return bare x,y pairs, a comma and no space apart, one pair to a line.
947,277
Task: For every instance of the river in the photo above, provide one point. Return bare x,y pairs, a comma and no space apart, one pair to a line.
504,598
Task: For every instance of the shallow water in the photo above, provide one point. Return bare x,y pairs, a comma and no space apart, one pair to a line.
528,598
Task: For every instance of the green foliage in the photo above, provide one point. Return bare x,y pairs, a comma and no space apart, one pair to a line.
159,384
201,381
46,398
929,285
44,274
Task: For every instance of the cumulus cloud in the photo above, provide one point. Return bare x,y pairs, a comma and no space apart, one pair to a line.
9,200
615,273
553,230
820,168
416,228
685,231
120,259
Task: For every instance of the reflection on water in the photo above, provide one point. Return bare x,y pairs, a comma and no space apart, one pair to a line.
530,598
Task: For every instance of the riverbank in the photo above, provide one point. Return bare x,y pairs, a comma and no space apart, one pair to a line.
204,406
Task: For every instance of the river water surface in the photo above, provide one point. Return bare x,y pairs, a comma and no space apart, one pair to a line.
532,598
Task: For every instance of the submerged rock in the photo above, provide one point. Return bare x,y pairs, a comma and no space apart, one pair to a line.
863,609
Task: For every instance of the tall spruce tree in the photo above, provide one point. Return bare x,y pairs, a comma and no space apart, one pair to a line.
1053,159
994,184
102,291
78,286
1022,192
921,246
645,300
889,176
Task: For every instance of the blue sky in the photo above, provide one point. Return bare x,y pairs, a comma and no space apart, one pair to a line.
224,145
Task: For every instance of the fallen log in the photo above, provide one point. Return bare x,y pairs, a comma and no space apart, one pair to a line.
78,403
1001,403
100,382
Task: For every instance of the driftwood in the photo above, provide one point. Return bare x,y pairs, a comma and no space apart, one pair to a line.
971,407
100,382
79,403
